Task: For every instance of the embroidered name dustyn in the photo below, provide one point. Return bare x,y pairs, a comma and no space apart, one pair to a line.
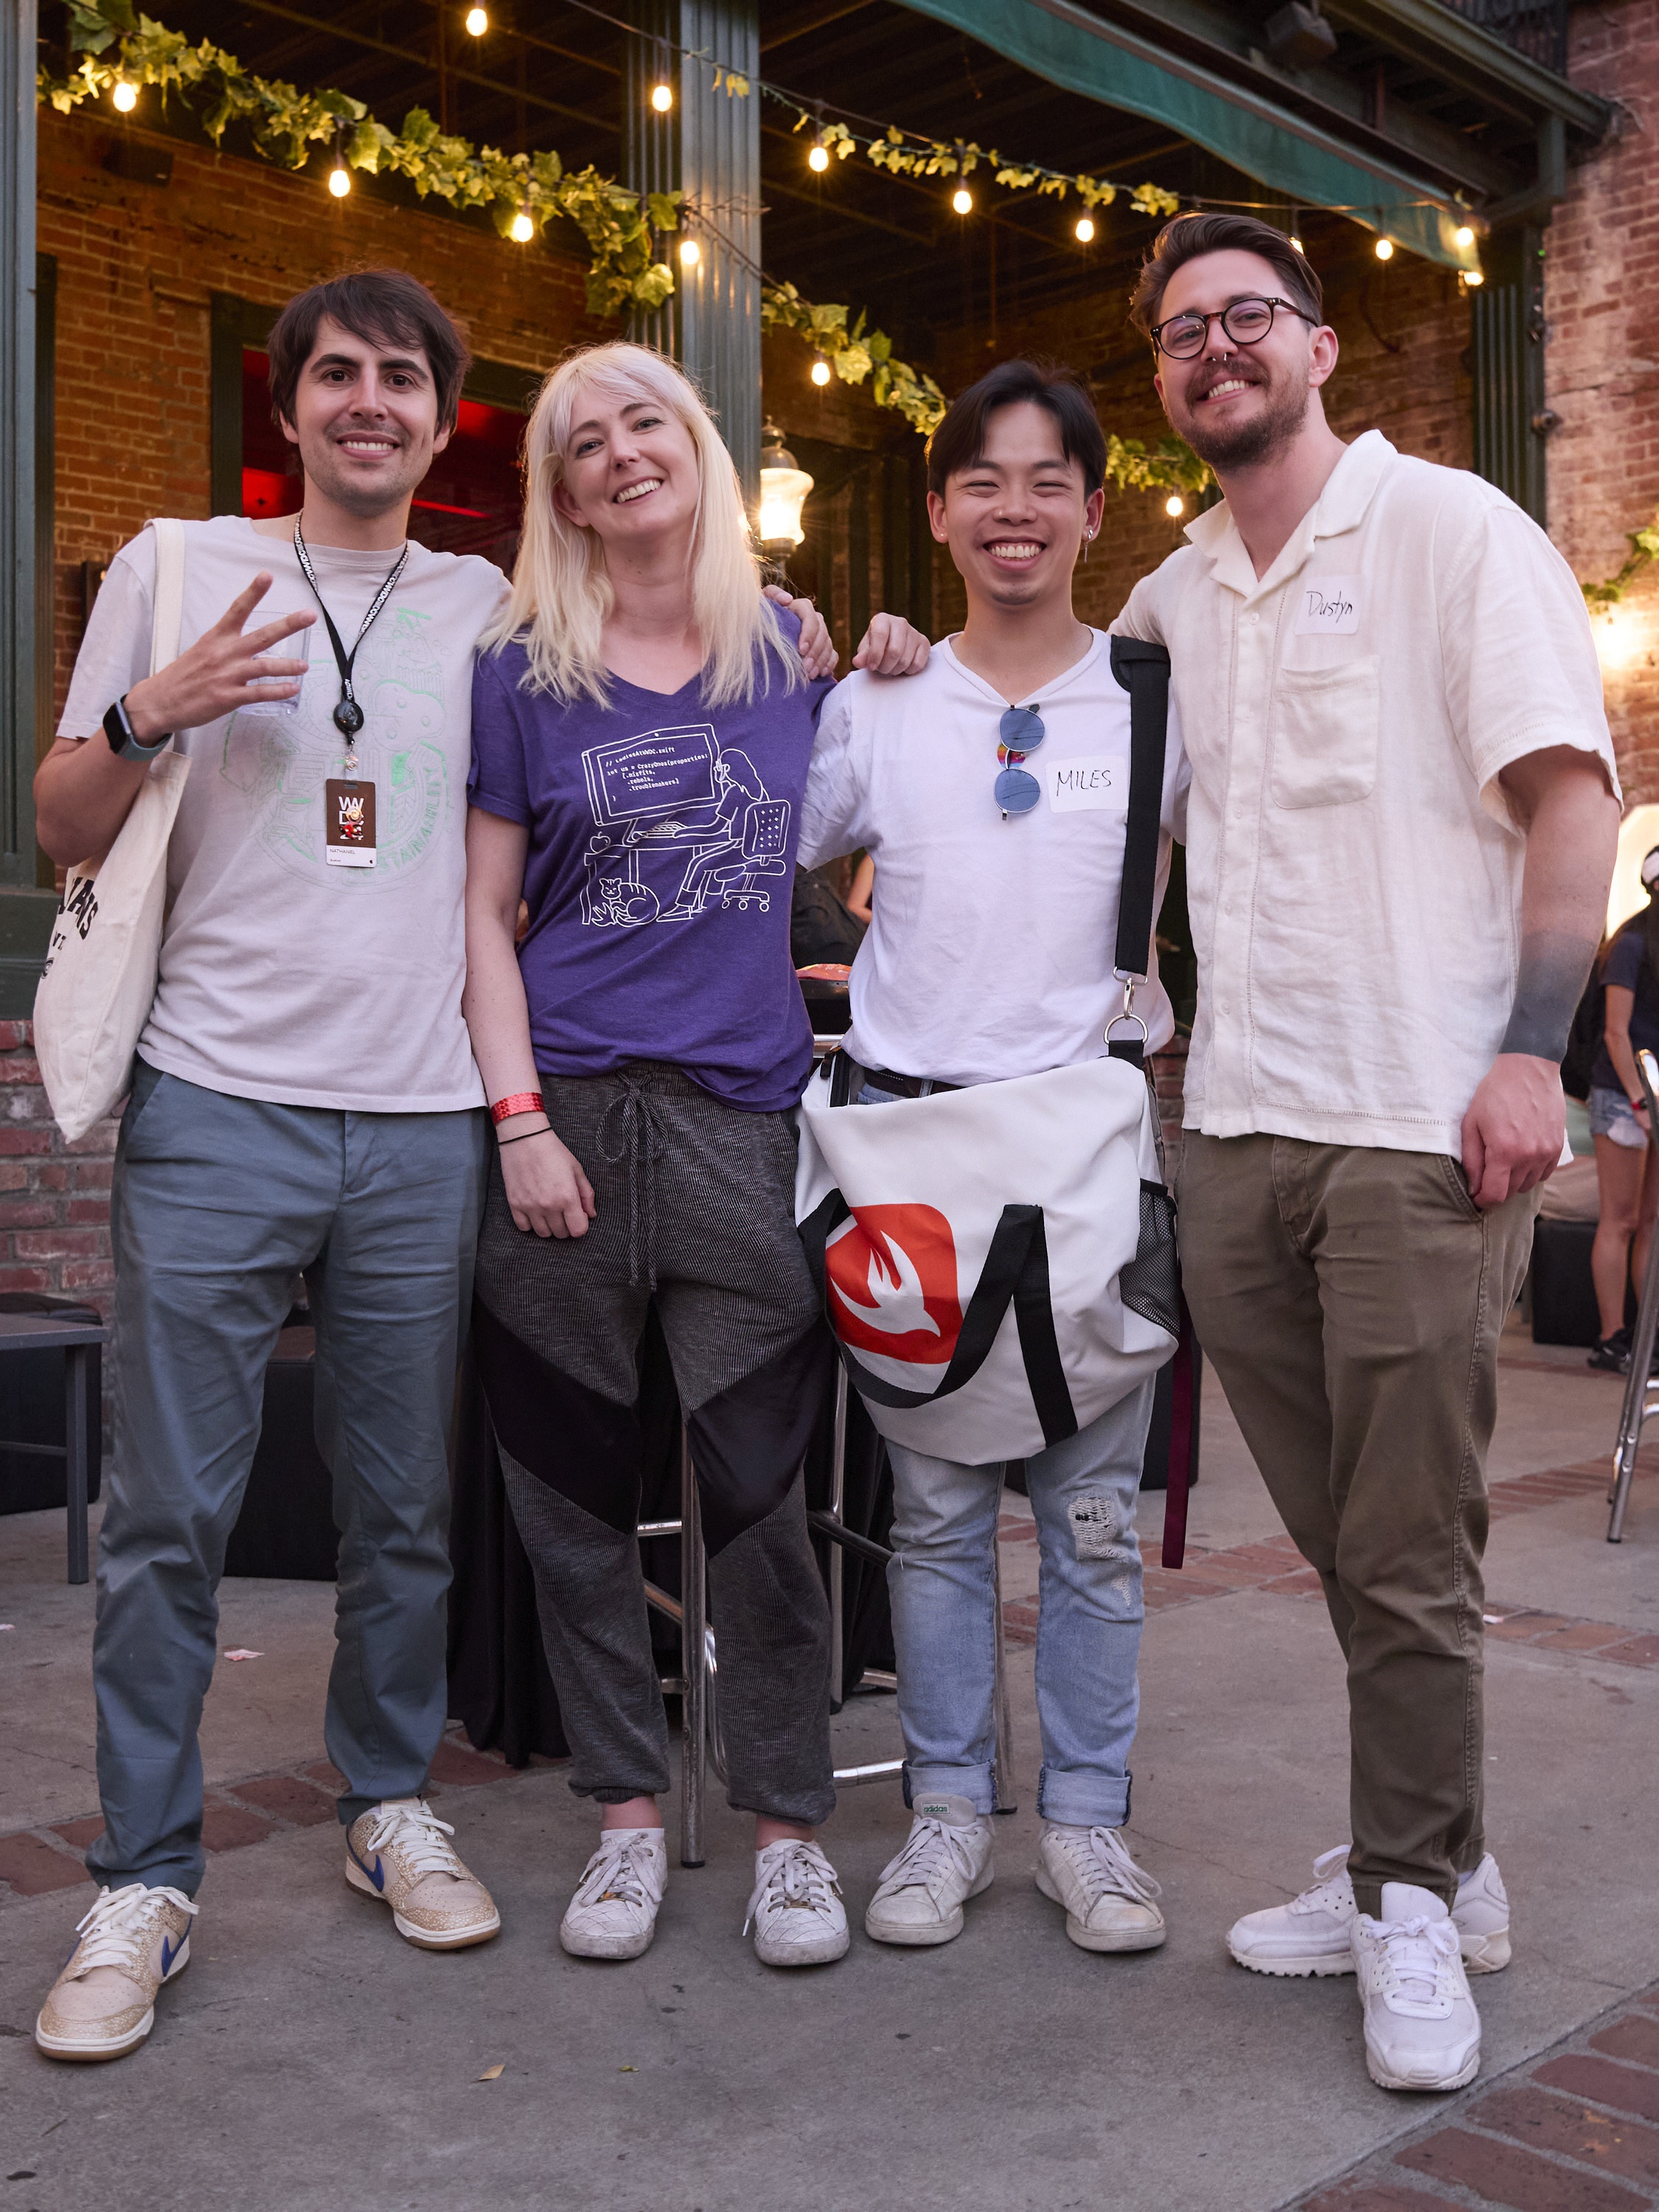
350,825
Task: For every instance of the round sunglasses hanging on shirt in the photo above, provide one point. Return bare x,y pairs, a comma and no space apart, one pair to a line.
1017,791
349,805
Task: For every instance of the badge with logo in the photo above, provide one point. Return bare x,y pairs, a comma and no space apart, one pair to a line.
350,828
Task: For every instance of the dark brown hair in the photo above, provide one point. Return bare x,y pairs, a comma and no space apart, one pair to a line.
382,307
959,441
1190,235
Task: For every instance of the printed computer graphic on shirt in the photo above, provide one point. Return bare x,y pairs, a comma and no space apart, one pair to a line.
682,826
284,760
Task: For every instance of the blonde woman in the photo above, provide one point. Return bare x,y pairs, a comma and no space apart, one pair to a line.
642,730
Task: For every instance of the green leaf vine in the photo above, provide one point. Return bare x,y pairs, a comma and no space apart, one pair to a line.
1644,547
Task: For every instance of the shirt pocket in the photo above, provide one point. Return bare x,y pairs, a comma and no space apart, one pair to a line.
1326,726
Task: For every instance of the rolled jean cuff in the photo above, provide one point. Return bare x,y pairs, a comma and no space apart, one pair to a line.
978,1784
1082,1799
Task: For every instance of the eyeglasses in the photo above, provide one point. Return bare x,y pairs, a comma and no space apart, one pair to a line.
1246,322
1020,732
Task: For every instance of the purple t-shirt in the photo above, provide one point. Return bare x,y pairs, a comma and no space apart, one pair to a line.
661,860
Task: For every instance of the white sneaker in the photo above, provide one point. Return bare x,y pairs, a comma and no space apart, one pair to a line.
1310,1935
1108,1900
1422,2031
103,2003
400,1853
613,1914
796,1911
947,1860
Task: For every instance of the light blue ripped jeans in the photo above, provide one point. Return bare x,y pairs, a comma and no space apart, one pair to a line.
942,1587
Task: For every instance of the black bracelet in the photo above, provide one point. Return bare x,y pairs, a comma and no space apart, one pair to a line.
501,1142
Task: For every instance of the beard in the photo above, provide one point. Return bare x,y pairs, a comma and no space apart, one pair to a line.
1247,445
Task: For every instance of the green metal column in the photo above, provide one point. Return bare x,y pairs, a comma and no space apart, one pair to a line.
1508,328
18,612
708,147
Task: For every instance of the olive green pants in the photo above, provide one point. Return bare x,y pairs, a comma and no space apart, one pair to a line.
1351,1300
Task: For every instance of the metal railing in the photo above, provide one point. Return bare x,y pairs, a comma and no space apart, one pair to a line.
1536,28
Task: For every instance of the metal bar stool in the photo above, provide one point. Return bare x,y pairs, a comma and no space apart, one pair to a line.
698,1683
79,1342
1641,1384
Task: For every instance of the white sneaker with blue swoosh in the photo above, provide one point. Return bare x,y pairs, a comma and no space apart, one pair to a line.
103,2003
400,1853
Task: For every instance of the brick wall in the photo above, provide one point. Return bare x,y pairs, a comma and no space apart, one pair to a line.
1601,364
54,1197
135,263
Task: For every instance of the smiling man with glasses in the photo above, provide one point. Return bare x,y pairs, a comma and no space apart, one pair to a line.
991,792
1402,828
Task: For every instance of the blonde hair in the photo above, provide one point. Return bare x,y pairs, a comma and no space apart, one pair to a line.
562,593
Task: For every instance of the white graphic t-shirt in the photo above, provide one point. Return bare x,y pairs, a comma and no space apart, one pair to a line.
991,952
283,977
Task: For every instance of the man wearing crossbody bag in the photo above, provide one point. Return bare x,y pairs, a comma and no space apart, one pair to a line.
1402,822
990,790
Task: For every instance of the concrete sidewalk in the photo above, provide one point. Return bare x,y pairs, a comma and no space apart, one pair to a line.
309,2059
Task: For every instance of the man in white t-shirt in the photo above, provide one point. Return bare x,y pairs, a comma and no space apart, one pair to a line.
305,1100
990,955
1402,825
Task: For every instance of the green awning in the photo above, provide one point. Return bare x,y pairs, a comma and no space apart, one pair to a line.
1064,43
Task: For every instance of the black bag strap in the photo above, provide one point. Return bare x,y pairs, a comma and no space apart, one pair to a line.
1015,1272
1143,670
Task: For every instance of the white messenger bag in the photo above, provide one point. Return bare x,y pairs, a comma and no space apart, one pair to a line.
98,981
998,1262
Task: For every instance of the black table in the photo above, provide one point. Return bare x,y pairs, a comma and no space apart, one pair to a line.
77,1340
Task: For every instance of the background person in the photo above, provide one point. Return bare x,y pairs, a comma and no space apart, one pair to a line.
1627,1175
642,724
1386,678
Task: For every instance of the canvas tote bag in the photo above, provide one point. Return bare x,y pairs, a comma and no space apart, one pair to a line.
998,1263
98,981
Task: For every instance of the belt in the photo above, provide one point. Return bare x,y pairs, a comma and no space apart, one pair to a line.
905,1086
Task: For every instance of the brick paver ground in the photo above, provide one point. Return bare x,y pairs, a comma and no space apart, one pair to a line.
1575,2130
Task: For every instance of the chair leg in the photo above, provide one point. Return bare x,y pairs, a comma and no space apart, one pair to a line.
78,1416
693,1602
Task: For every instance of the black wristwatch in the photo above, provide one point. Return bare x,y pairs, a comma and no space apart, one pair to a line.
122,741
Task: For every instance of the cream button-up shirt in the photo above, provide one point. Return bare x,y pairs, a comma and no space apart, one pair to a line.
1353,868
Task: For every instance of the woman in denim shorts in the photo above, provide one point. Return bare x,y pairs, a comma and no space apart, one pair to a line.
1625,1171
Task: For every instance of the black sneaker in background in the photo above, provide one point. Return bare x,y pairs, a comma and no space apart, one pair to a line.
1612,1355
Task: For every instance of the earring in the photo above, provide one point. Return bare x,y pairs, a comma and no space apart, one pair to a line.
1088,540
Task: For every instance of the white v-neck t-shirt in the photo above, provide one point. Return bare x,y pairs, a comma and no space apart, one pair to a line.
991,951
283,978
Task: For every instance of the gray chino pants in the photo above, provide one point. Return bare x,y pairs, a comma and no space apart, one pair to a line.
218,1203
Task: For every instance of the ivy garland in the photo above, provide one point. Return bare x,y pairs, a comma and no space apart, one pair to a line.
1644,547
905,153
619,227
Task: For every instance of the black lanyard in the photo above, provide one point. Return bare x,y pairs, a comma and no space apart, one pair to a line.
347,715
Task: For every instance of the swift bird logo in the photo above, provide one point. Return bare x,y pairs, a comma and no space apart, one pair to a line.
892,1272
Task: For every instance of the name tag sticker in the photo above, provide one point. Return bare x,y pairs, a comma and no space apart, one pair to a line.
1089,786
348,831
1327,606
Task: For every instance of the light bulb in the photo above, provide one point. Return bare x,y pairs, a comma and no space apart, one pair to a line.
820,372
691,252
523,229
1175,504
476,22
1463,237
125,96
1296,244
1085,228
662,98
339,183
962,200
1474,278
1385,249
819,159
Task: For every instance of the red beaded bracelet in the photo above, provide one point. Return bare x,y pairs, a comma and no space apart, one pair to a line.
521,1102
